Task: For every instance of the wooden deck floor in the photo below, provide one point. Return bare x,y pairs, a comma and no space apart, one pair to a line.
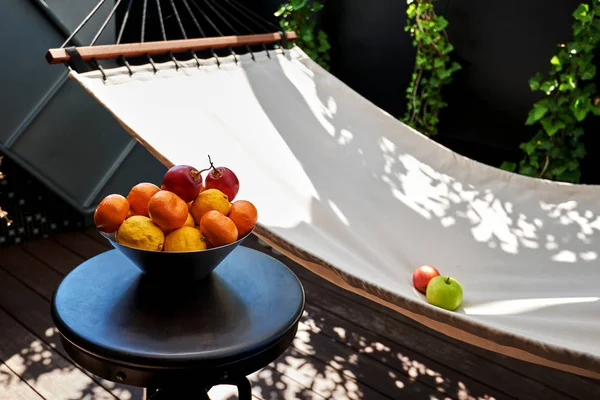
346,348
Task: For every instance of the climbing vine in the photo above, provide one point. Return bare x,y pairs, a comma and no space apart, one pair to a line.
299,16
569,95
433,66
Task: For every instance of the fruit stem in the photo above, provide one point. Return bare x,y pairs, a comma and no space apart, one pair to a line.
195,174
448,280
216,172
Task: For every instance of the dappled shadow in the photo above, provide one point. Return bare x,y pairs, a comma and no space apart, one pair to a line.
54,376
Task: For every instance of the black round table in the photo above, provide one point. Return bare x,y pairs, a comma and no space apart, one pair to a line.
178,341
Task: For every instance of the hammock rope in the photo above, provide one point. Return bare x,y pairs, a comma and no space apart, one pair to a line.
230,25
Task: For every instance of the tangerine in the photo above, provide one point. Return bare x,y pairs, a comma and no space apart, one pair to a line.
244,214
188,222
218,229
111,212
167,210
139,196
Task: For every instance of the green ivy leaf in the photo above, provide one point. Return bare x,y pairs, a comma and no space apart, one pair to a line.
577,132
508,166
551,126
534,81
529,147
543,142
578,150
549,86
441,24
556,62
580,107
557,171
581,12
537,112
571,176
589,72
297,4
527,170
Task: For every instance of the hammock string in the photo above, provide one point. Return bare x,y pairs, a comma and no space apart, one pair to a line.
106,21
230,26
82,24
216,28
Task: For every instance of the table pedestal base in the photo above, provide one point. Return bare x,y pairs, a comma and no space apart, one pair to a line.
198,393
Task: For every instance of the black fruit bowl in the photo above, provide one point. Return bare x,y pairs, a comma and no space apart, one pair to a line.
175,266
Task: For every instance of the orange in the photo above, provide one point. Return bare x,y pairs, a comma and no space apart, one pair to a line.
188,222
139,196
218,229
167,210
244,215
210,199
111,212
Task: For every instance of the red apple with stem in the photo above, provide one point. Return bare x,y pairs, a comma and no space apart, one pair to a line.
183,180
422,275
223,179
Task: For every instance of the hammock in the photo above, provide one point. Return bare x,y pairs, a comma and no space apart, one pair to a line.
361,199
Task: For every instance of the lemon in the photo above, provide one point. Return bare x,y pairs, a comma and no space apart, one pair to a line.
141,233
185,238
190,221
210,199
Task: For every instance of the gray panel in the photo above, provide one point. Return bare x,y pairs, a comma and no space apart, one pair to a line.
25,77
72,12
140,166
73,142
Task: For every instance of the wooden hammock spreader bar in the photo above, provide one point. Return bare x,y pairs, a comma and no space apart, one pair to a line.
57,56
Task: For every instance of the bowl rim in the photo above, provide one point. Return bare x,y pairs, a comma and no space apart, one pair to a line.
112,238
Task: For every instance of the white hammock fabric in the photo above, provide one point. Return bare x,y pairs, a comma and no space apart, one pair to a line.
361,199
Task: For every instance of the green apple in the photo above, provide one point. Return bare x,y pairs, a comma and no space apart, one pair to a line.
444,292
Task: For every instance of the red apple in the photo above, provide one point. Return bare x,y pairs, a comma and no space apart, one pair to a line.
422,275
184,181
223,179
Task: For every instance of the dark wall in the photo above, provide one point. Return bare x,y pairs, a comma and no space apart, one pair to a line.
500,45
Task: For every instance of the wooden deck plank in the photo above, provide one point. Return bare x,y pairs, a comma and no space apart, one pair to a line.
350,364
567,384
13,388
28,269
79,244
323,379
400,361
93,233
50,374
59,258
